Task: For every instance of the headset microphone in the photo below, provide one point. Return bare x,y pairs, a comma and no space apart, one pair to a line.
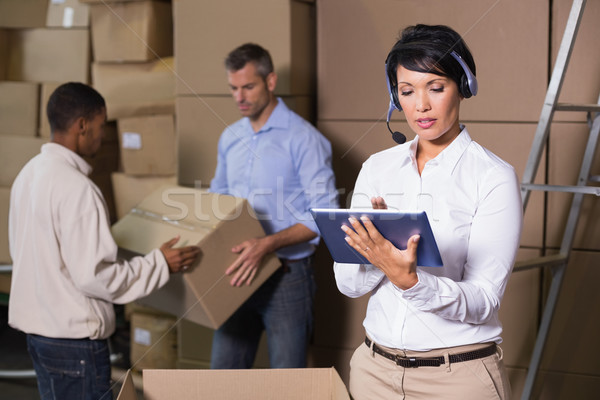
397,136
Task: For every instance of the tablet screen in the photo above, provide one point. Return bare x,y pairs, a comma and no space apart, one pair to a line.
395,226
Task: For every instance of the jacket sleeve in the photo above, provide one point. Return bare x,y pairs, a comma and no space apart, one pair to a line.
89,253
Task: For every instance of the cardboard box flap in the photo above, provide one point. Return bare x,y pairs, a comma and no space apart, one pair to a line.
127,391
267,384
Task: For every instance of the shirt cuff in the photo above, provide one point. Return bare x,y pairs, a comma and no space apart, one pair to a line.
420,294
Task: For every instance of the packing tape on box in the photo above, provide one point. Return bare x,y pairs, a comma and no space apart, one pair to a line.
158,217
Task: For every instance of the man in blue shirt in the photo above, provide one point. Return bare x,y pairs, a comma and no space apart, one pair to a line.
282,165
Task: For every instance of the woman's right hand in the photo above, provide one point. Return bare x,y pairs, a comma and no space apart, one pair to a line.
378,203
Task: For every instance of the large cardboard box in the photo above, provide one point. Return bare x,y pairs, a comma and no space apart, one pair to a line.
200,122
520,312
582,81
4,36
23,13
153,341
19,108
286,28
15,152
4,206
355,36
250,384
68,14
215,223
46,89
132,31
134,89
148,145
130,190
49,55
575,323
568,142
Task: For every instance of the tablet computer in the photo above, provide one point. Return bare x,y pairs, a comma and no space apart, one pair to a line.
395,226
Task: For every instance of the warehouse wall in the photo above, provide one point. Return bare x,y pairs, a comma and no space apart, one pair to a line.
159,66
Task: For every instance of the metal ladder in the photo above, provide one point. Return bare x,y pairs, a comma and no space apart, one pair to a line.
558,262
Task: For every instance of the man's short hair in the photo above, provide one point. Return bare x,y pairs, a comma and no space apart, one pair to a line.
71,101
250,52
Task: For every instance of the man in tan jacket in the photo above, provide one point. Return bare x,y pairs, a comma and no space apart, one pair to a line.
66,274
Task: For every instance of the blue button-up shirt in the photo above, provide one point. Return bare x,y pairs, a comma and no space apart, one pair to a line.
283,170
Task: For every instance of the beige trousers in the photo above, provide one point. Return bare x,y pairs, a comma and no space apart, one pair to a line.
374,377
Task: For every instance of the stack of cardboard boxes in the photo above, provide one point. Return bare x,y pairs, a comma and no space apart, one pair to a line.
132,67
205,32
42,44
132,47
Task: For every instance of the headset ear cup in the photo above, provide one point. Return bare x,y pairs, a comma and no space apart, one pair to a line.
394,93
464,87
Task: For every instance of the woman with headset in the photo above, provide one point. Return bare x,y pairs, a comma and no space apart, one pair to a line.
432,333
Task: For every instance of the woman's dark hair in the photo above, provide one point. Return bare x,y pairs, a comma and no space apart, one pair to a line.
71,101
250,52
428,48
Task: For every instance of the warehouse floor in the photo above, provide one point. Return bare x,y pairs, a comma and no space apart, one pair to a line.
14,356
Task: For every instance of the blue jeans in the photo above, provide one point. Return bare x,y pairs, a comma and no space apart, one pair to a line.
283,306
71,369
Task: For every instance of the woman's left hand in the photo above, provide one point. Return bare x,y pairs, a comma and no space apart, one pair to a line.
400,266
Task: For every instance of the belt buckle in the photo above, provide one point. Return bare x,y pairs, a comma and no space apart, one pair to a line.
412,362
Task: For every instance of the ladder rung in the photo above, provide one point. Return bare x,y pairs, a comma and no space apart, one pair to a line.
559,188
555,259
578,107
594,178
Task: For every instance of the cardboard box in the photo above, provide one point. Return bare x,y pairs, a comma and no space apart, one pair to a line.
148,145
46,89
215,223
5,282
135,89
520,312
286,28
130,190
200,122
4,37
153,341
49,55
194,342
355,36
109,1
132,31
574,319
568,142
582,81
249,384
15,152
4,206
23,13
68,14
19,108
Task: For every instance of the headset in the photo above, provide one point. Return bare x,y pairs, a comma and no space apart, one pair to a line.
468,87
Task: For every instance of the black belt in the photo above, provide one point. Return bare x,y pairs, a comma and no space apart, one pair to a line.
414,362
